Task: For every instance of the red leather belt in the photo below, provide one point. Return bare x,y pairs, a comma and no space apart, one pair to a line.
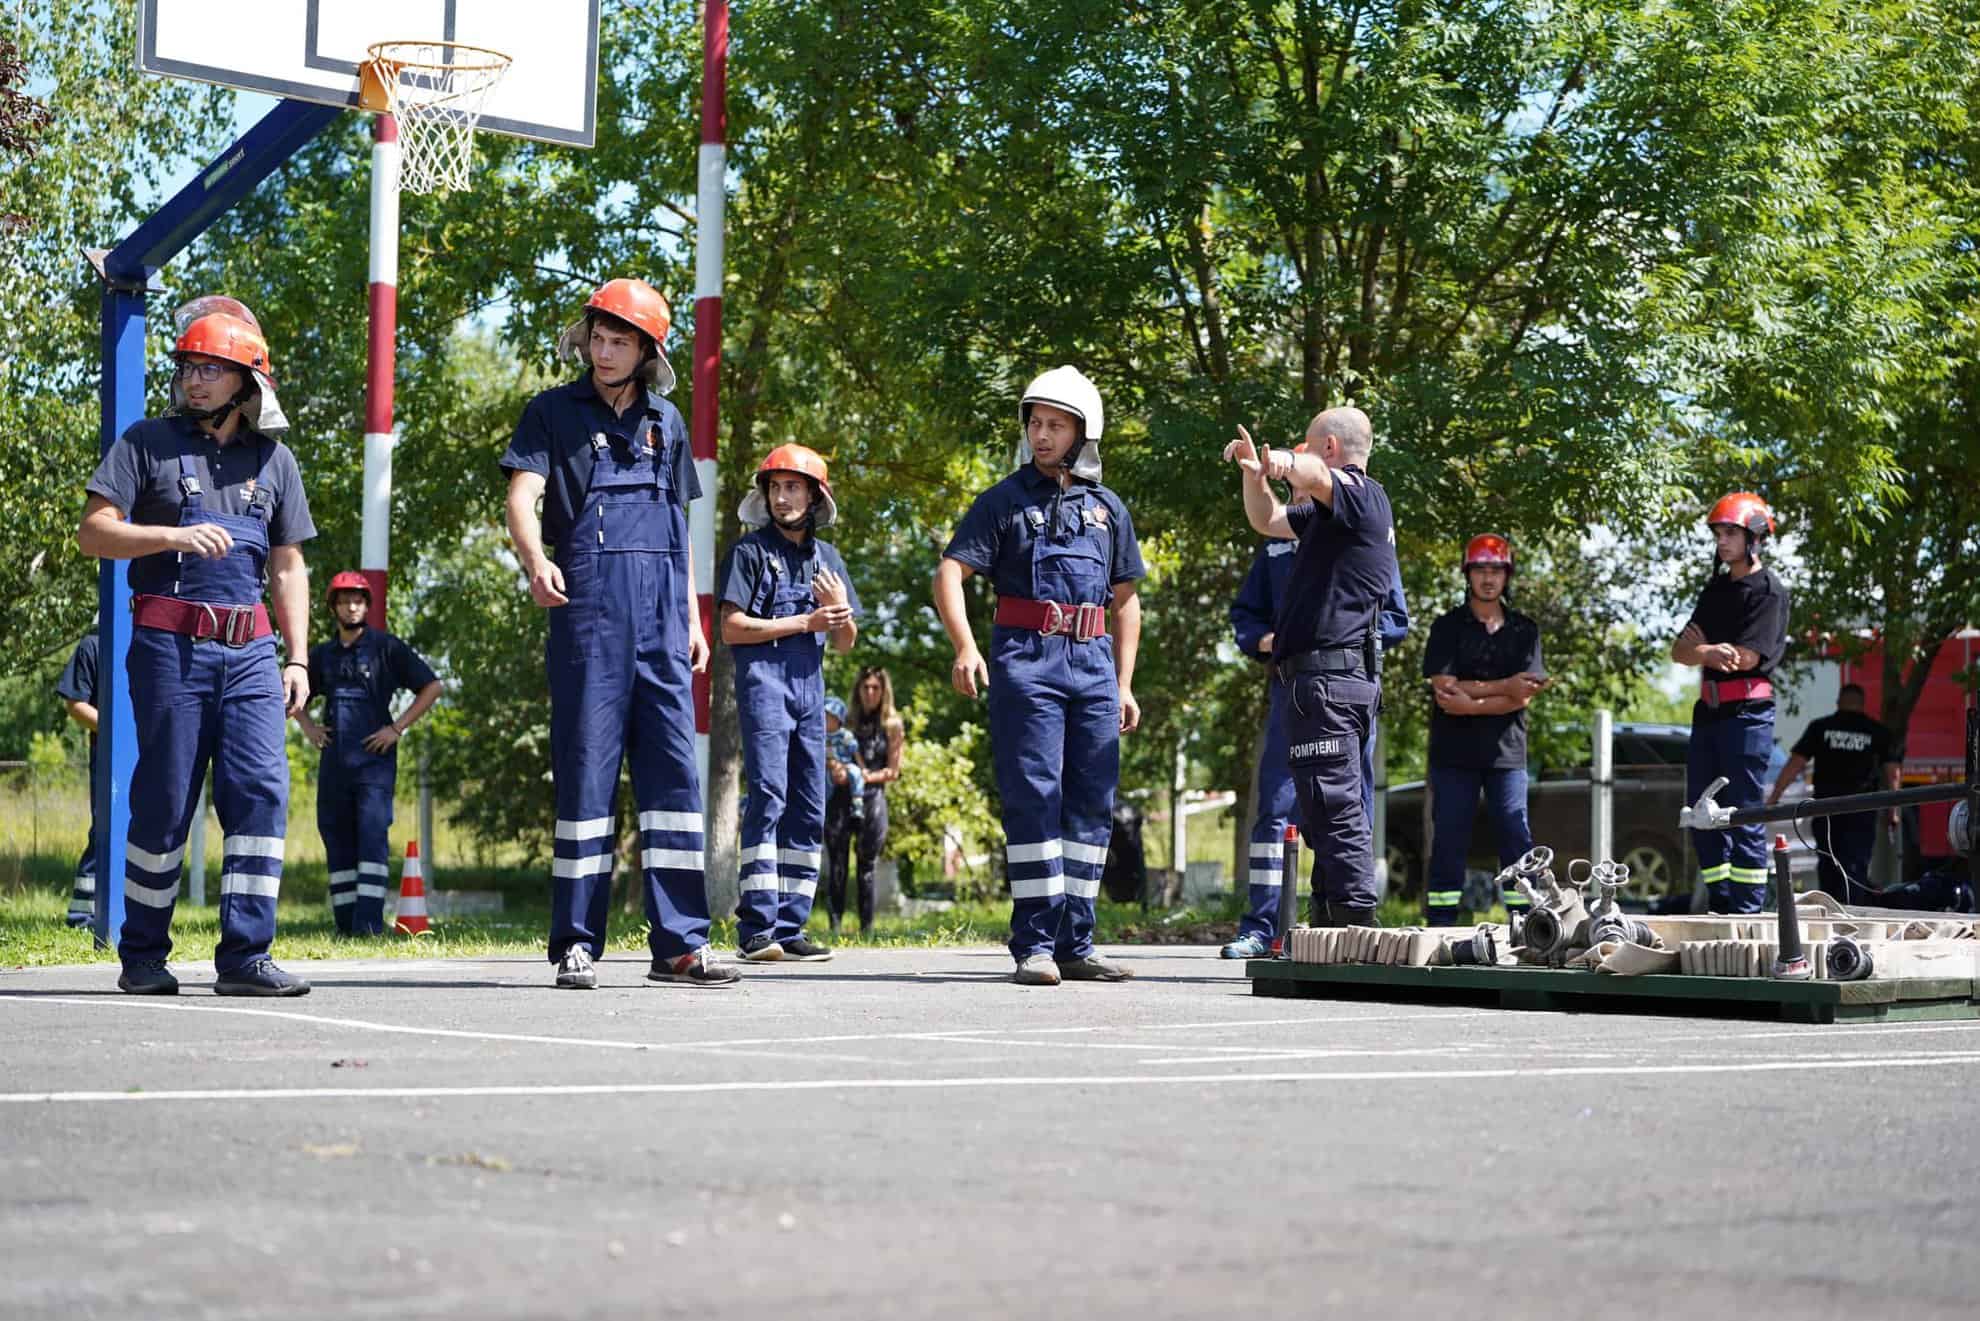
231,625
1081,623
1715,691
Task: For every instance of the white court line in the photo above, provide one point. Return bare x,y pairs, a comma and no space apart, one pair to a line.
998,1081
1216,1052
1878,1029
958,1035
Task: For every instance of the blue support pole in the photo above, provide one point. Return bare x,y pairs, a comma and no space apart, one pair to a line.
123,405
127,269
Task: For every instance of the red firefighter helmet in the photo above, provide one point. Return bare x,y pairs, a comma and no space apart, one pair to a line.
350,580
1742,509
228,338
636,303
805,462
800,459
1488,548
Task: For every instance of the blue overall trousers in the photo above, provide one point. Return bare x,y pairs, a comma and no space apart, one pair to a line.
780,705
1055,743
201,702
1735,744
620,687
354,794
82,891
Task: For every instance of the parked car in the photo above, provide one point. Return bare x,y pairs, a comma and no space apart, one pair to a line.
1649,791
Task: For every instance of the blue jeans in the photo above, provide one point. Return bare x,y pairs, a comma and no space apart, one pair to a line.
1454,798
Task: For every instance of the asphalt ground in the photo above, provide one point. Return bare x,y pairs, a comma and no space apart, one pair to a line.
905,1133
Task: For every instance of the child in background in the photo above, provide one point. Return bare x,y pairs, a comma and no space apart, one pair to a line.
843,750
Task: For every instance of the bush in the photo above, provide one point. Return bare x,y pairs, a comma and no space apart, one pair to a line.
937,793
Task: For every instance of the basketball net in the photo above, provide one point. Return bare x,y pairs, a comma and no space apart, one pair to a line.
435,89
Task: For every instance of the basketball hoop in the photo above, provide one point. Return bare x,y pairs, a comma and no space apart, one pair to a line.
435,89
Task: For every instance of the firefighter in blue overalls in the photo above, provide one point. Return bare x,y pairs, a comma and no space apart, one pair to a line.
783,593
78,691
1326,649
1060,551
209,508
608,457
1254,616
1737,635
356,673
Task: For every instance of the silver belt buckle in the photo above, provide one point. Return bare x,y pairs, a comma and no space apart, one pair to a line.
1056,621
1089,621
240,626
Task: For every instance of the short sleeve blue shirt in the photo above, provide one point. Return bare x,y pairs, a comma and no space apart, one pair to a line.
1343,569
139,474
554,440
996,536
758,562
78,681
378,662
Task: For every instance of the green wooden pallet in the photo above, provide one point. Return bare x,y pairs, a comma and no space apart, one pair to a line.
1548,988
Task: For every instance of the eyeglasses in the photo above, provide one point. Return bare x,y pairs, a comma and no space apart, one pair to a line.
205,371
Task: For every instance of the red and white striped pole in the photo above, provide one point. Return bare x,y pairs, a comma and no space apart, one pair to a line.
376,544
709,201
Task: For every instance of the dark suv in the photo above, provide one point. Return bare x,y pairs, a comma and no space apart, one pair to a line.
1649,791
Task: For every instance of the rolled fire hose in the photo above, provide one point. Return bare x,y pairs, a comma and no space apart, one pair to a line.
1849,959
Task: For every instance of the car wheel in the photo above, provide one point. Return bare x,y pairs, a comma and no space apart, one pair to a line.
1653,872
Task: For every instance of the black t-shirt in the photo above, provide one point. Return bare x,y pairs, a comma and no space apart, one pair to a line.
1750,612
1460,646
1847,748
1342,570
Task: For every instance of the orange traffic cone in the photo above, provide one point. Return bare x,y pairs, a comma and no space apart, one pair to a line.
412,894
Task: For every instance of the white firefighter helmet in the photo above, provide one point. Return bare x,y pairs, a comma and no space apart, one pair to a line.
1066,388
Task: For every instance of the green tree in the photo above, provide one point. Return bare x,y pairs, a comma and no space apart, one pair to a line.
74,196
1837,342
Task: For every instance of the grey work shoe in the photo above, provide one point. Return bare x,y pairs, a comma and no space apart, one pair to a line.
1037,970
261,977
576,972
804,949
761,949
147,977
696,969
1094,968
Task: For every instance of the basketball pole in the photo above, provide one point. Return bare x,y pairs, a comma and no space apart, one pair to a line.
709,201
375,545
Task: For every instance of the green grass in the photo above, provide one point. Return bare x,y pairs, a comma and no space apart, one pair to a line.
42,831
51,819
32,934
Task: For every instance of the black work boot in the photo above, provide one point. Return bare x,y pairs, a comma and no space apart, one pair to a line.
148,977
1355,917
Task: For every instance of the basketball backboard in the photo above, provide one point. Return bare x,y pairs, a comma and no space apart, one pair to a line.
309,50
